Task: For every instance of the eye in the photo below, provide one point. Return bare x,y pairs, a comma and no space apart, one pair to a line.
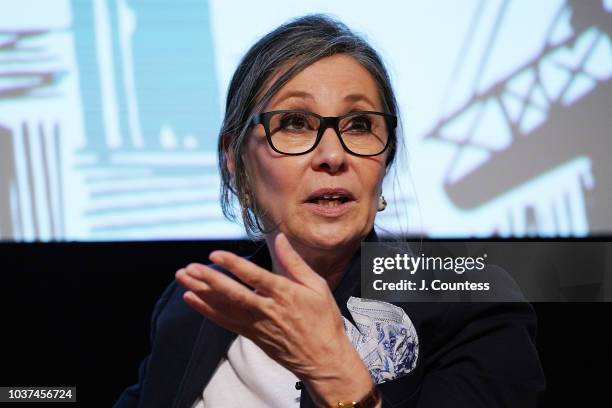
294,121
359,124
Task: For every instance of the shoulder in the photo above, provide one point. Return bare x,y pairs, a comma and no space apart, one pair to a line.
471,355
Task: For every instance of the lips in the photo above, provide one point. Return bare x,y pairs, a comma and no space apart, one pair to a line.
326,196
330,202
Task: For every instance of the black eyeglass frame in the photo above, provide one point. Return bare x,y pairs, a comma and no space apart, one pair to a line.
324,123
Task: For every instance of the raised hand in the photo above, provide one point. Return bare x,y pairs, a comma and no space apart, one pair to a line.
293,317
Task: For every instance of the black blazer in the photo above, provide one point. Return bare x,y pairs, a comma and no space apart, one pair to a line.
470,354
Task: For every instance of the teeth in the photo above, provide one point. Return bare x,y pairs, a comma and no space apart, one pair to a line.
330,199
328,202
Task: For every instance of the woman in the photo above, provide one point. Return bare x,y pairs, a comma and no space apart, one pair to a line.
308,136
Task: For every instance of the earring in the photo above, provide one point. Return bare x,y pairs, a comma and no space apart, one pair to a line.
382,203
247,200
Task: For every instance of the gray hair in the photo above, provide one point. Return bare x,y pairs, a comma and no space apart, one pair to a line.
301,42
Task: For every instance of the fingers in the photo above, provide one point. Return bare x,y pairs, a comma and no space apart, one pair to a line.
190,283
207,310
264,281
215,287
293,264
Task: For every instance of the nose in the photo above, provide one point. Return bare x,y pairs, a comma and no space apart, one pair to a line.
329,155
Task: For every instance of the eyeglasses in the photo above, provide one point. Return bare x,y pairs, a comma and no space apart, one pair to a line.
295,132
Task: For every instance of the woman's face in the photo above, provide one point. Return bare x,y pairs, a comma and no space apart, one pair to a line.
289,188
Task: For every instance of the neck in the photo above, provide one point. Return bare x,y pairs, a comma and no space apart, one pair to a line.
331,264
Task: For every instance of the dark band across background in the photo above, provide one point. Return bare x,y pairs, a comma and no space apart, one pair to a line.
77,314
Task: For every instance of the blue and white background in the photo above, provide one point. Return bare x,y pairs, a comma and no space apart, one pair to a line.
109,112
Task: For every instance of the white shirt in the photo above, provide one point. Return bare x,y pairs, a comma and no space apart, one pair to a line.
248,377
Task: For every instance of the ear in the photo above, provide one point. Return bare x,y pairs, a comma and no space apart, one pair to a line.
229,157
229,162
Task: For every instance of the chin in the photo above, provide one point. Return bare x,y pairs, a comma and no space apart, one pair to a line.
330,236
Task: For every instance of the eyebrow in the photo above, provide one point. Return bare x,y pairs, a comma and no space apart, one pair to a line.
358,97
296,94
305,95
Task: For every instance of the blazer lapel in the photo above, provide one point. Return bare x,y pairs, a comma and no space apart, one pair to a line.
210,347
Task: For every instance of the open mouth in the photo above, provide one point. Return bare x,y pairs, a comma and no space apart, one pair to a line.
329,201
330,197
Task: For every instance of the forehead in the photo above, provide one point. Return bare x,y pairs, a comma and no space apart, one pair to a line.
329,79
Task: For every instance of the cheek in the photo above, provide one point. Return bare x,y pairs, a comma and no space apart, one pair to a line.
371,174
276,178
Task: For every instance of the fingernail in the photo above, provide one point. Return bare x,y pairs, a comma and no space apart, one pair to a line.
216,257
